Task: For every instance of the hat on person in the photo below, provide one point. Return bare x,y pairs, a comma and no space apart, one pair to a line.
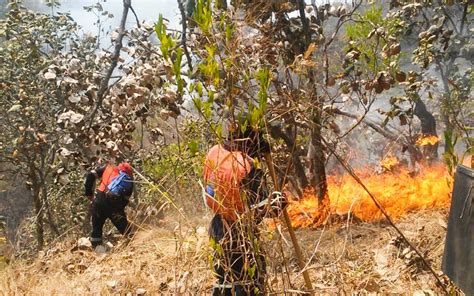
126,168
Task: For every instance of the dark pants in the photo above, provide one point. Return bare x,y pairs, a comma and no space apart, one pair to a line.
107,207
239,268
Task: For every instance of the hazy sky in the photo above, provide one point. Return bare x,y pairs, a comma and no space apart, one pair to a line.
145,9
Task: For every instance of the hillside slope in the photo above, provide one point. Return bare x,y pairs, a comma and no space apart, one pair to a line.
173,259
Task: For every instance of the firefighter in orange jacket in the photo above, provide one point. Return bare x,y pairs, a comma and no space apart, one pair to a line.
111,198
236,192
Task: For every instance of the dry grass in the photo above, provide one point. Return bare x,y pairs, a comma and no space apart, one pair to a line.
172,258
366,258
166,259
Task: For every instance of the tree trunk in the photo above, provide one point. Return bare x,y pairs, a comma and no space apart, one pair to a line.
316,157
446,70
277,132
317,161
49,215
428,128
38,207
39,216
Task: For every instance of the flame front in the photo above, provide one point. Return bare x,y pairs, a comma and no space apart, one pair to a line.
427,140
398,192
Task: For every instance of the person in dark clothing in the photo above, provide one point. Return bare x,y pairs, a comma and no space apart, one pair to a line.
238,259
111,198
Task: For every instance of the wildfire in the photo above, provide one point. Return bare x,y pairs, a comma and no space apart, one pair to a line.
389,162
427,140
398,192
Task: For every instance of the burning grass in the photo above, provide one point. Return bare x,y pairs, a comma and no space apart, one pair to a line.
173,259
427,140
389,162
399,191
358,258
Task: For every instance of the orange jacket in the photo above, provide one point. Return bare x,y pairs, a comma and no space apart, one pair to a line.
109,174
224,170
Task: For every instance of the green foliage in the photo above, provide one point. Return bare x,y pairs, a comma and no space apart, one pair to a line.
193,147
450,156
179,159
204,107
170,160
371,35
252,270
177,70
209,67
167,42
171,53
457,103
229,32
256,112
358,32
174,166
216,247
263,77
203,15
371,18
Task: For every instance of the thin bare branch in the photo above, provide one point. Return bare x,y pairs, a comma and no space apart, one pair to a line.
104,85
184,21
136,17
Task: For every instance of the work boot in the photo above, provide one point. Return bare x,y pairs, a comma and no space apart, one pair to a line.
227,289
95,242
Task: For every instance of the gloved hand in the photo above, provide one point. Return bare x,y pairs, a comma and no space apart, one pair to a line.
278,201
273,205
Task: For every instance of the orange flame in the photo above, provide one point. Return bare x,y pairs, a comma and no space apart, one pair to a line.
389,162
398,192
427,140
